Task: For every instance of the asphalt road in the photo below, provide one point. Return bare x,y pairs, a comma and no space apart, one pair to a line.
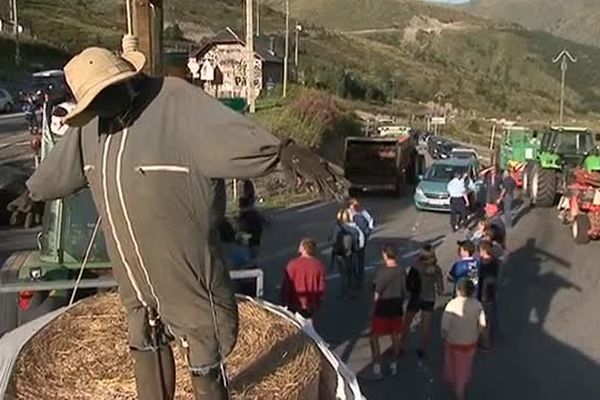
549,346
14,140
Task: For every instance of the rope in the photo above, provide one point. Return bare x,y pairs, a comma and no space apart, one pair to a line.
129,17
85,259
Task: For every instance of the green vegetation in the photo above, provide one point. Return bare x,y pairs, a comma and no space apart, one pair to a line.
572,19
404,53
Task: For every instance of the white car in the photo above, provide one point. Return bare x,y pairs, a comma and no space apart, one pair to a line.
461,152
7,104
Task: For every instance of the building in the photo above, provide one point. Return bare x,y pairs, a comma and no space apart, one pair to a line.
222,59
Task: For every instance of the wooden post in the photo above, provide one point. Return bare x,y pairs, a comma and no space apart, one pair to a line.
148,27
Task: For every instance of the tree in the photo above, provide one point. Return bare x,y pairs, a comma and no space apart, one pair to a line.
173,32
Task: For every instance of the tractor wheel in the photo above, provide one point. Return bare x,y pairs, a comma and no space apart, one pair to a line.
543,187
527,172
581,228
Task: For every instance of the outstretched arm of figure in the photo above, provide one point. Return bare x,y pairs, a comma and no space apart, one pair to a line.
225,144
61,172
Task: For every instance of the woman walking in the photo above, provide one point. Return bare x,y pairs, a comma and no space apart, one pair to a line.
462,323
347,239
424,283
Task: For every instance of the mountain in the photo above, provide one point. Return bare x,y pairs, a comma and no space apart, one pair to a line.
577,20
373,50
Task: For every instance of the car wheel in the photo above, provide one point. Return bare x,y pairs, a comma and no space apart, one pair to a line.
8,107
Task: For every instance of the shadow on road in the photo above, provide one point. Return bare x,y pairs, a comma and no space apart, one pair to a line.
527,363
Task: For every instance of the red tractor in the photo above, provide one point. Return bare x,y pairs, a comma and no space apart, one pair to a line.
580,205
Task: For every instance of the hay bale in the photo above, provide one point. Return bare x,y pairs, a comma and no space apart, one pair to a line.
83,354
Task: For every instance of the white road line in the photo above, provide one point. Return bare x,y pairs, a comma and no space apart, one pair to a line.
11,116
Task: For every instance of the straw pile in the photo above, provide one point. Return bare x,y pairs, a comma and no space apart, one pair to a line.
83,354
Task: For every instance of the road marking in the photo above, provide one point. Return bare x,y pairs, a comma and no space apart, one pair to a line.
11,116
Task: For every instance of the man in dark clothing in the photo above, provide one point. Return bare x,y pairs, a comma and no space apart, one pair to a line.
507,196
134,141
388,310
489,269
303,284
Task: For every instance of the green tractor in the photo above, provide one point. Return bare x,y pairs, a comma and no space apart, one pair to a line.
520,146
562,151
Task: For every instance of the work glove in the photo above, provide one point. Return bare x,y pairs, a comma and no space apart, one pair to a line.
26,209
306,170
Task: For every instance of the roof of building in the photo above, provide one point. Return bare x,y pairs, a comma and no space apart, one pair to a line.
262,45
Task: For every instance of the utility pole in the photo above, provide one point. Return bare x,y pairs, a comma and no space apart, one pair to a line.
15,18
147,25
287,46
298,29
564,57
250,57
257,17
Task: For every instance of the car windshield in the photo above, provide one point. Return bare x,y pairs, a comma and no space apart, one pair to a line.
462,154
443,172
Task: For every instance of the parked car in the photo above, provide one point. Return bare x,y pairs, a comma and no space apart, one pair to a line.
462,152
7,103
431,193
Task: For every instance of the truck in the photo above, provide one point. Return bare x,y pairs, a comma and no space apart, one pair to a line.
71,253
382,162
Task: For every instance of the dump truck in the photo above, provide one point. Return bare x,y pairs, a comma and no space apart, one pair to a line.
518,149
562,150
382,162
70,243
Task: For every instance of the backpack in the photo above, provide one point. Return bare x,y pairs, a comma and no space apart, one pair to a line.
344,243
363,224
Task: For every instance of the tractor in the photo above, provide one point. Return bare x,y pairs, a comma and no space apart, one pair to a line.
567,169
518,149
562,150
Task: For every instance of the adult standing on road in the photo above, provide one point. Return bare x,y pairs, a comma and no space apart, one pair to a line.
250,225
507,195
489,269
347,239
135,142
303,284
388,304
366,224
462,322
459,200
493,189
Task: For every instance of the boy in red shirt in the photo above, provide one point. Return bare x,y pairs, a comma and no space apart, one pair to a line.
303,284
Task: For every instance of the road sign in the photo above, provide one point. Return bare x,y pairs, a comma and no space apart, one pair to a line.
438,120
207,71
194,67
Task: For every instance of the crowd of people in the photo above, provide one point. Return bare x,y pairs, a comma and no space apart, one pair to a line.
400,293
499,189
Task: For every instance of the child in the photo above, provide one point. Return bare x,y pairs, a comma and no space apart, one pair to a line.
427,279
388,299
462,322
467,266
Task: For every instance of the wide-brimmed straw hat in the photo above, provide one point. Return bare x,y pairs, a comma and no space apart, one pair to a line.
93,70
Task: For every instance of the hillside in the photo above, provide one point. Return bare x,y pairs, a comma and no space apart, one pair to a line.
572,19
376,51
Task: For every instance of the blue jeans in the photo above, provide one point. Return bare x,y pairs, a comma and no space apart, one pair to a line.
507,203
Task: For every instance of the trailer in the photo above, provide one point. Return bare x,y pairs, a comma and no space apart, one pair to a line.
388,163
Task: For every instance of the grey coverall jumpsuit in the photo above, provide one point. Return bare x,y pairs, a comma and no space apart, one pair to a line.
154,185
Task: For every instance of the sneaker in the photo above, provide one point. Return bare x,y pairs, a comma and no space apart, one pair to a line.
393,368
377,371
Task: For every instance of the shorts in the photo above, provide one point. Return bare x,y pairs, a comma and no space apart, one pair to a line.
382,326
420,305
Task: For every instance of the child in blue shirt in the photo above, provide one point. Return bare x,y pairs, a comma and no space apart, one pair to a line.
467,266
